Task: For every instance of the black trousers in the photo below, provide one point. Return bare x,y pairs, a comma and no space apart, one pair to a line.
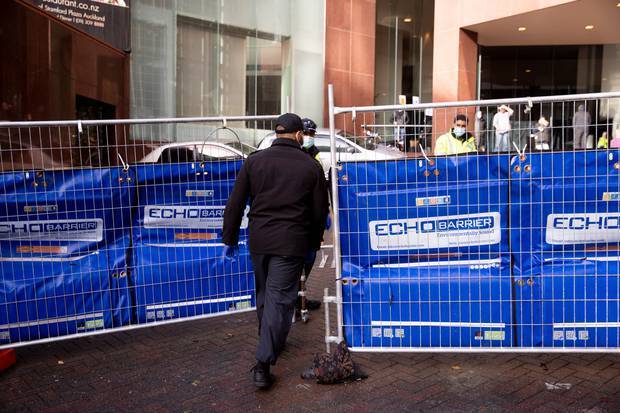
277,282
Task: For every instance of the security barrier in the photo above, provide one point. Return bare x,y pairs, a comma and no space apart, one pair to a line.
61,246
480,252
93,250
177,251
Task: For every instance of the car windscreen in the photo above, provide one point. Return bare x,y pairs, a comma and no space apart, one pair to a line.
183,154
322,142
241,147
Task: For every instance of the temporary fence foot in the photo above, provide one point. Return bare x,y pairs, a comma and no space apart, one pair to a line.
7,359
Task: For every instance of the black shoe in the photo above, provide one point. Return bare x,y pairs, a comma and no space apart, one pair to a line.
313,304
262,377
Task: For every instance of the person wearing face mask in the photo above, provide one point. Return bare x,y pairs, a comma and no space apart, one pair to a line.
457,139
287,193
303,304
308,145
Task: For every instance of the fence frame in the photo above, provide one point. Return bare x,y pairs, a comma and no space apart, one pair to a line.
79,124
337,299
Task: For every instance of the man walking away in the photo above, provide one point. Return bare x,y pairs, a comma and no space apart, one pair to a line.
288,202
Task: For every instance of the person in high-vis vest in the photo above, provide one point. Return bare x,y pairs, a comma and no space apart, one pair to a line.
457,139
602,142
304,304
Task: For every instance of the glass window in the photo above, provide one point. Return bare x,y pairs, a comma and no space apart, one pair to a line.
521,71
217,151
323,145
210,70
404,50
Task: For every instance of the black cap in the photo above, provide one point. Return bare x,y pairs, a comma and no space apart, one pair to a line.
309,125
288,123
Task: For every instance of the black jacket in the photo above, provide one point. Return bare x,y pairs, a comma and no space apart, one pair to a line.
288,201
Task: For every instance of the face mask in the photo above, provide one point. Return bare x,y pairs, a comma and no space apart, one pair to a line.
459,130
308,141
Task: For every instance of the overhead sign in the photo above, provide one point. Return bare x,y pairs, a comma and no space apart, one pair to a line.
107,20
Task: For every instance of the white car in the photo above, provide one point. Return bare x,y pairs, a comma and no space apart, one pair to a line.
346,149
198,151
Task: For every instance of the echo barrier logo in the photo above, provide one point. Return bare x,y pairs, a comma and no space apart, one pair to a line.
566,229
436,232
53,230
195,217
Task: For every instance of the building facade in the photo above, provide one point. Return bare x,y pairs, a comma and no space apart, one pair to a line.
174,58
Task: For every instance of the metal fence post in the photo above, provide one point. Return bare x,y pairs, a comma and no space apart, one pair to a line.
335,207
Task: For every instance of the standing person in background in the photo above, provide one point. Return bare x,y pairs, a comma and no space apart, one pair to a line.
287,193
399,120
581,120
615,125
456,140
501,123
308,145
480,130
540,137
304,304
603,142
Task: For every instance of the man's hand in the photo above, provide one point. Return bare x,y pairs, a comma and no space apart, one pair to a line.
230,252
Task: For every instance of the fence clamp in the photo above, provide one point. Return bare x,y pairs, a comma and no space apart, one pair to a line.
353,115
224,123
125,166
520,152
79,125
430,161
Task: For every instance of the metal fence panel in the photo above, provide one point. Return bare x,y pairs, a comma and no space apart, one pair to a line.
566,219
177,246
62,252
426,256
507,249
116,225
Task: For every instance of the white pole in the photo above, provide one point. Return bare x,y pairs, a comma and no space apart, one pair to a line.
335,207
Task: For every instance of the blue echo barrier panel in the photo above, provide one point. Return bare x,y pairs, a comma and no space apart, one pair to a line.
96,249
426,255
426,306
62,252
178,266
565,218
482,251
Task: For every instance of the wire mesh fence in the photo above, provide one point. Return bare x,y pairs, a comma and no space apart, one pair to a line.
495,228
111,225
